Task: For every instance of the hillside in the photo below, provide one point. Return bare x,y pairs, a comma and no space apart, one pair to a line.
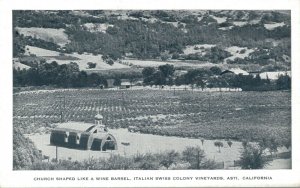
110,38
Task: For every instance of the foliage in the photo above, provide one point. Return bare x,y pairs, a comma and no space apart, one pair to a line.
215,70
202,141
25,153
193,155
287,143
110,62
117,82
169,158
214,55
245,143
50,19
283,82
190,158
195,76
161,76
229,143
65,75
148,71
252,157
91,65
18,44
219,145
167,70
145,39
146,161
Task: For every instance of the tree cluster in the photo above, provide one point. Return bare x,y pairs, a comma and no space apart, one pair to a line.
211,78
53,74
25,153
162,76
253,157
146,39
51,19
214,55
190,158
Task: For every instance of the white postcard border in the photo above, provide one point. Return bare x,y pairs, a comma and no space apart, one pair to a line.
10,178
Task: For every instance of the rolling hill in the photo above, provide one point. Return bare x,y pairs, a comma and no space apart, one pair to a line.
109,38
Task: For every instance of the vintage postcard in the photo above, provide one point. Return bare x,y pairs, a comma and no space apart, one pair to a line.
132,94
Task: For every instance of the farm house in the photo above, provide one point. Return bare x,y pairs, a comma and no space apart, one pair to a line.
125,84
83,136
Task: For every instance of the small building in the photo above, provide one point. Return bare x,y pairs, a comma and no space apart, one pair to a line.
178,73
84,136
110,83
235,71
125,84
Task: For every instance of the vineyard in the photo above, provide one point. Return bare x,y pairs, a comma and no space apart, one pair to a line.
211,115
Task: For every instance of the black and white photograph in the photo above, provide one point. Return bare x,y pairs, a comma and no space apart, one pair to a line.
129,95
151,89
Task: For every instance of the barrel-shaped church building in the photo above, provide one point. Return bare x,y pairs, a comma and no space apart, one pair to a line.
84,136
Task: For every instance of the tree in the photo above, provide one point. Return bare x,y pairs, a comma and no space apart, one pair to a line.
219,145
146,161
245,143
218,82
194,156
148,71
105,57
202,141
175,56
112,30
169,158
200,83
283,82
257,80
252,157
273,145
215,70
24,151
167,70
287,143
243,51
117,82
95,80
110,62
196,75
81,79
91,65
229,143
164,57
158,78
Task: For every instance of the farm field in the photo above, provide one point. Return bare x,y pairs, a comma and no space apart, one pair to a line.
168,120
225,115
211,115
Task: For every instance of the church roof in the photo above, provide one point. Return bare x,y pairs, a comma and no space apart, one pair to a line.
98,117
73,126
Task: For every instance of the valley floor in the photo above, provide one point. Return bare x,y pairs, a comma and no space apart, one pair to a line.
147,143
